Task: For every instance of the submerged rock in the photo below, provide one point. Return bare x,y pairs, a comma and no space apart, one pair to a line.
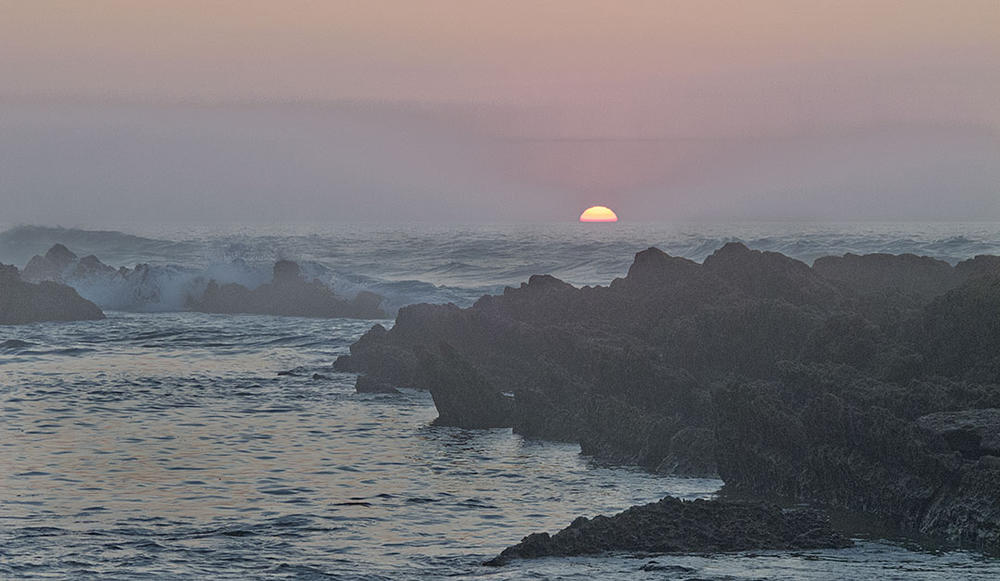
677,526
288,294
25,302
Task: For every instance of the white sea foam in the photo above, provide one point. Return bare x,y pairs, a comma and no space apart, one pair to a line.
417,263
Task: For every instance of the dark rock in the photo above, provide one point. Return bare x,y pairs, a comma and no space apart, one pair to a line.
655,566
289,294
463,397
379,358
676,526
921,276
286,273
136,288
60,256
369,384
978,267
25,302
91,267
958,333
974,433
770,275
787,381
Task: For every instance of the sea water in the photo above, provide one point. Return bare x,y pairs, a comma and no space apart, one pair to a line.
166,444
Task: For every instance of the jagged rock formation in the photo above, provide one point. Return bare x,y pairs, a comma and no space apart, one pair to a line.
24,302
288,294
786,380
676,526
128,287
919,276
49,267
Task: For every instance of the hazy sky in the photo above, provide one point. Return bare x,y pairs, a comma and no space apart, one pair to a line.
497,111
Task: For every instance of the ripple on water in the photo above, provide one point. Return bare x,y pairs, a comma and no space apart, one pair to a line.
126,464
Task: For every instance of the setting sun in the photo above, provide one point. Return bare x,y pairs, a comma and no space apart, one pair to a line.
598,214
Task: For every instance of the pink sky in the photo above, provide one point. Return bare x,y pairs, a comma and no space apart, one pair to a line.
715,85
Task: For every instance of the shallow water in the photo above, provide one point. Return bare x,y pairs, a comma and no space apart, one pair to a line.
167,446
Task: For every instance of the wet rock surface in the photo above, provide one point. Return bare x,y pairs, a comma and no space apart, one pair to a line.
818,384
676,526
24,302
288,294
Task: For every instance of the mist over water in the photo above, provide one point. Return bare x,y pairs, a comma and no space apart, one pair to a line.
415,263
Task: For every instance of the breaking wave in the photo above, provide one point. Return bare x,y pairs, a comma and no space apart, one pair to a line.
413,264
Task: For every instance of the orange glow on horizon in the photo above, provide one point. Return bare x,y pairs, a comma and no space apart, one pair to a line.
598,214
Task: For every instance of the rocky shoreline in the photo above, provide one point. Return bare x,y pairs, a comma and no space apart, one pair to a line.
24,302
677,526
289,293
862,383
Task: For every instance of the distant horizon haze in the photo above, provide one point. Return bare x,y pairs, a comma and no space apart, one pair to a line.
452,112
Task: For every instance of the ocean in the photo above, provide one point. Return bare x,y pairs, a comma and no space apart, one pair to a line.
164,444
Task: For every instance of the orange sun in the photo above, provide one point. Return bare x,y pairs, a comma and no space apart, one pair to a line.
598,214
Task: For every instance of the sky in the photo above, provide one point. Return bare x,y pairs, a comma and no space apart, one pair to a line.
498,111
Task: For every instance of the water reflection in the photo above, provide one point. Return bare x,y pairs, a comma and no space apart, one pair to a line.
157,452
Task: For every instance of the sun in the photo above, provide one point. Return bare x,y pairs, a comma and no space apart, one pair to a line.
598,214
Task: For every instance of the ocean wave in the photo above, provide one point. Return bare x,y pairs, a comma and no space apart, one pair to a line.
414,264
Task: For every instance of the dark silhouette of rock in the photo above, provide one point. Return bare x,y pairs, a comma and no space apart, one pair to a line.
835,436
24,302
368,384
49,267
771,275
980,266
91,267
463,397
974,433
61,265
958,333
288,294
676,526
785,380
921,276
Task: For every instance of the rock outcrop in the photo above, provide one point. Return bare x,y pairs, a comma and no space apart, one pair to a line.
462,396
918,276
24,302
786,380
51,267
288,294
973,433
137,288
676,526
